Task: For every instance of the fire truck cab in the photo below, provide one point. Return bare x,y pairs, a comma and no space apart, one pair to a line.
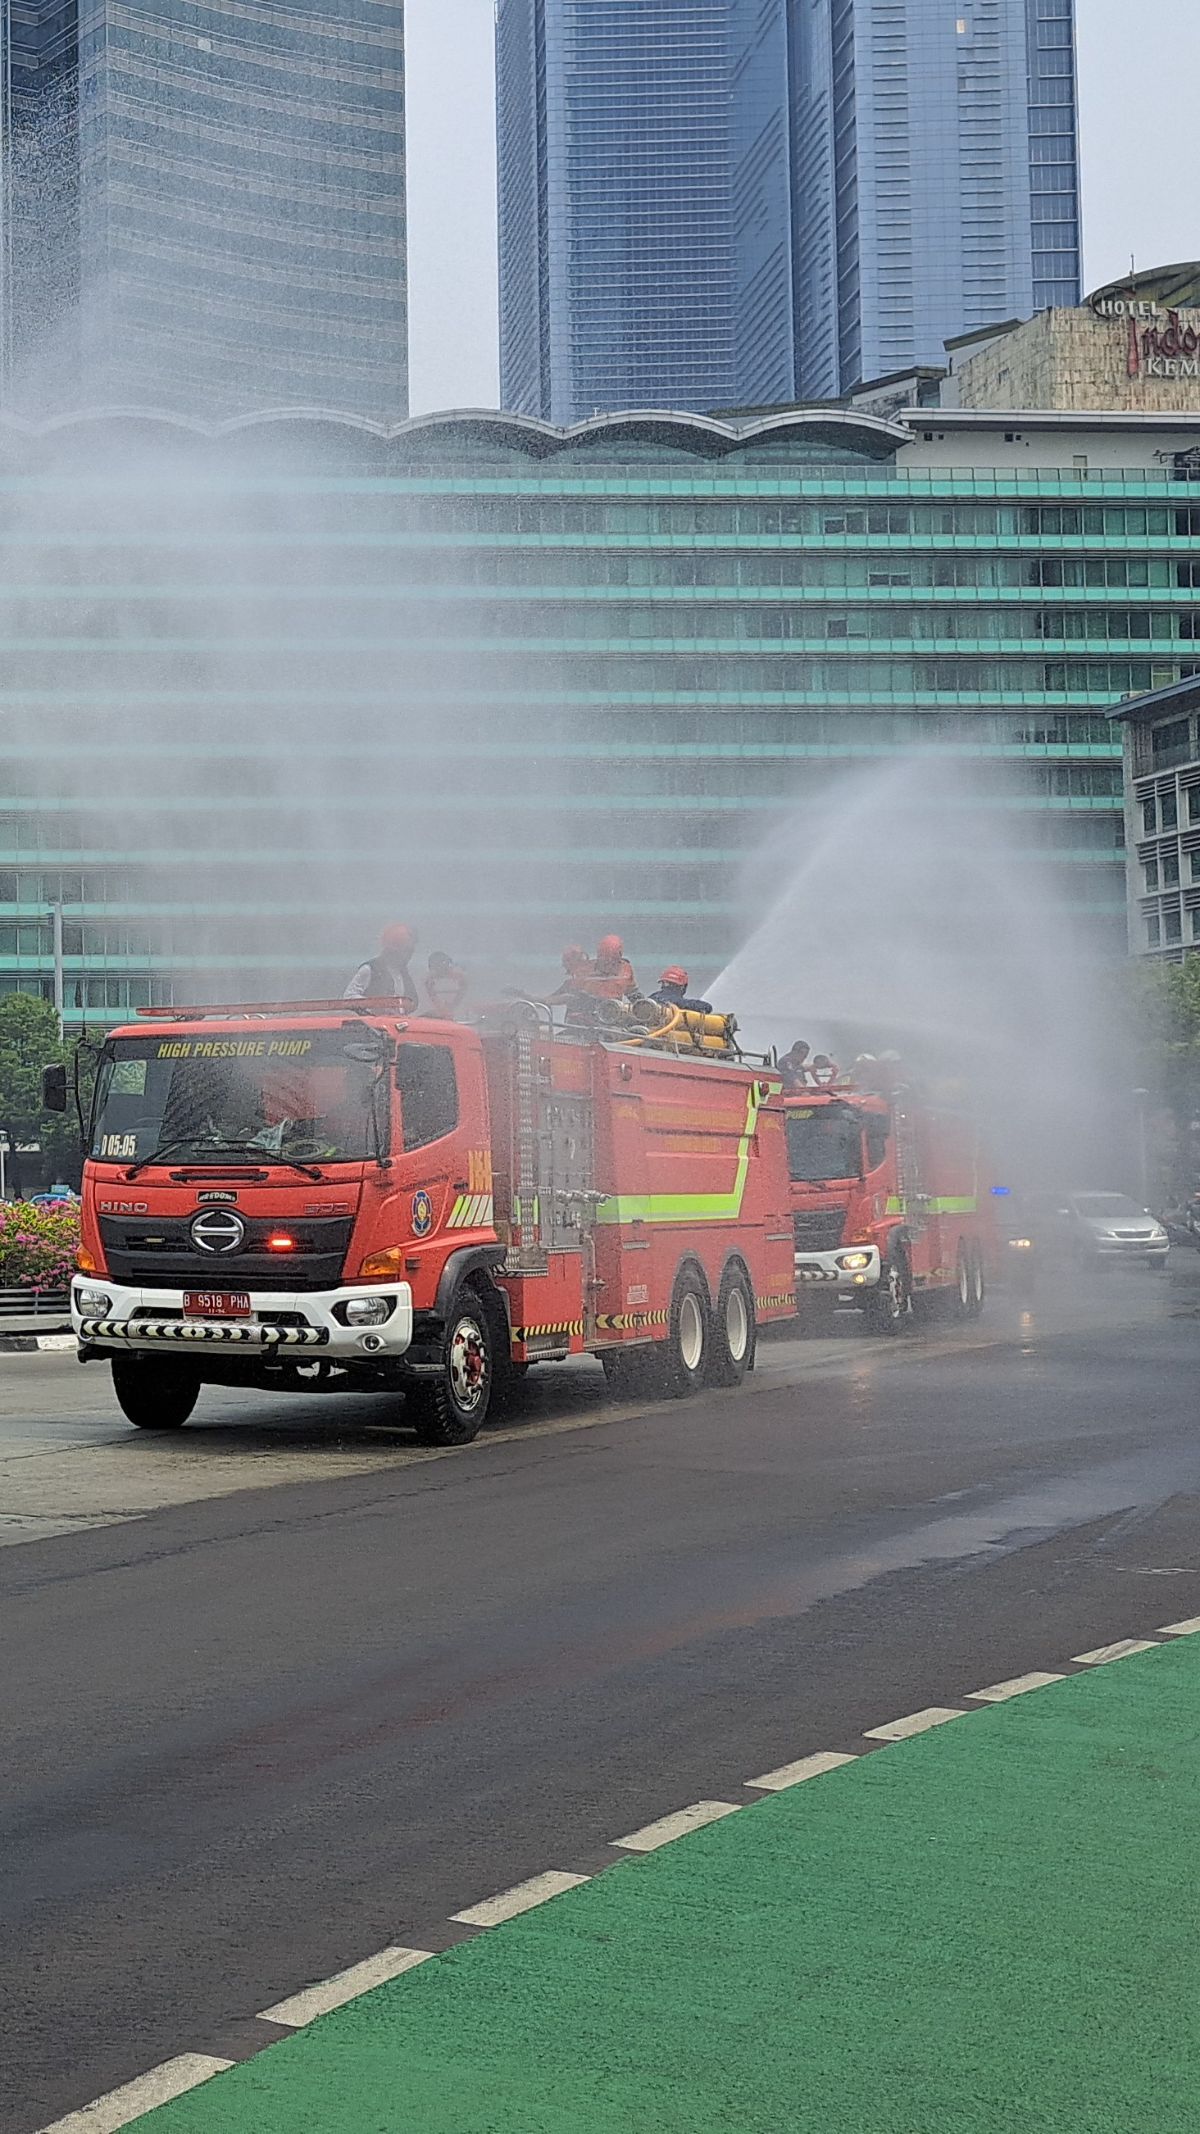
887,1207
335,1196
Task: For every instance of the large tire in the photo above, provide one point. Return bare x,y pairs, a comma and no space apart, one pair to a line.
734,1331
963,1292
685,1352
888,1306
630,1373
452,1408
155,1392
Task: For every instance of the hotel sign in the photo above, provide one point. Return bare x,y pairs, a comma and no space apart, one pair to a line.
1160,342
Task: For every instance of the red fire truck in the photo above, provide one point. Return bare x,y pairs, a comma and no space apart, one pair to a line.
316,1195
887,1202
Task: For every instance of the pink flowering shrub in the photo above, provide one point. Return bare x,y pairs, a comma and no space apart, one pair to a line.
37,1246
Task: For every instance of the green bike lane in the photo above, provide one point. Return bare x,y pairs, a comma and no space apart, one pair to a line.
988,1926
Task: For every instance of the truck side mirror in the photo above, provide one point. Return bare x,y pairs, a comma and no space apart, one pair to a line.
54,1087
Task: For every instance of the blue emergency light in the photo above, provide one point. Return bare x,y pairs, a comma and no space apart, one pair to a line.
1001,1192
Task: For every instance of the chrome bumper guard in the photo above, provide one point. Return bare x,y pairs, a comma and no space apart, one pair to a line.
180,1333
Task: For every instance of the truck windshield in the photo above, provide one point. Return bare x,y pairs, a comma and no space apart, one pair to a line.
292,1096
824,1142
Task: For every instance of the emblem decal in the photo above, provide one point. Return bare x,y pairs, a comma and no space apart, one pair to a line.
220,1200
218,1230
422,1214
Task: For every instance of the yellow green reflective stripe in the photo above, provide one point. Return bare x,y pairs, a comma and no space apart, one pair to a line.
944,1204
689,1207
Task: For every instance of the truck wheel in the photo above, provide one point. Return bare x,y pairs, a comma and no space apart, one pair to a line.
451,1408
685,1351
629,1373
887,1308
155,1392
964,1288
978,1281
734,1333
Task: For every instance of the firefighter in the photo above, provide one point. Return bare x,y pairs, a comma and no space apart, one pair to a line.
672,992
387,975
445,985
794,1067
825,1070
611,976
576,967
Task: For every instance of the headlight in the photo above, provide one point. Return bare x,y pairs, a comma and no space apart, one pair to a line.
850,1260
366,1311
92,1303
1020,1244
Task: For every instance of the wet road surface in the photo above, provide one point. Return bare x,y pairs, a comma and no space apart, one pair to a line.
312,1691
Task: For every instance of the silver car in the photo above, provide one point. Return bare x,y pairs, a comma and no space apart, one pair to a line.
1110,1226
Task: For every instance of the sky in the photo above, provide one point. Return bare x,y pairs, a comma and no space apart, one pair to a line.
1139,61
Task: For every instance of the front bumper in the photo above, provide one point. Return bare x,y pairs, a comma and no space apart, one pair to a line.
152,1319
1126,1248
816,1269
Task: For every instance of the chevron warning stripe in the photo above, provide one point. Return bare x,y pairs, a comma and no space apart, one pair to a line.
535,1333
471,1211
621,1322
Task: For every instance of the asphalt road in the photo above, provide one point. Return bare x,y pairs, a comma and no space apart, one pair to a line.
310,1691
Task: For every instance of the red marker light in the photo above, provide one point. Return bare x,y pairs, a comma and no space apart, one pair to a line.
281,1242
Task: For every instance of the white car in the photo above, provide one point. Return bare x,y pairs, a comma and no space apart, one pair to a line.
1110,1226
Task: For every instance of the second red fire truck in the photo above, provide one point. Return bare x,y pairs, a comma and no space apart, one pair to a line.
888,1203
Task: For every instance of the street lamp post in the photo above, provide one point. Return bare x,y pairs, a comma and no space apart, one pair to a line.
1140,1096
56,916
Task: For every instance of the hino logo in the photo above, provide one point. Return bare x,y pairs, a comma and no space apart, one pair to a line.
218,1230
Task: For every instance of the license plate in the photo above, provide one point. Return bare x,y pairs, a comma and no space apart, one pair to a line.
216,1304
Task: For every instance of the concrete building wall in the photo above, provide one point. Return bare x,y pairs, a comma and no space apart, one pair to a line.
1077,360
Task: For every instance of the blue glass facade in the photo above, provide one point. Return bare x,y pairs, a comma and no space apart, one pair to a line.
236,234
920,159
714,203
616,246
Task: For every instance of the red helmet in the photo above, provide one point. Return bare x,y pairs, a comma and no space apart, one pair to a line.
611,949
674,975
397,941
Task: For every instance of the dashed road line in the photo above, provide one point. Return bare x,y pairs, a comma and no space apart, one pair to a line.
119,2108
669,1827
523,1897
329,1993
915,1723
1122,1649
1000,1692
795,1774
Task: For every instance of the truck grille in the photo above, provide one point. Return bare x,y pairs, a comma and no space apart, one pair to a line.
158,1253
818,1229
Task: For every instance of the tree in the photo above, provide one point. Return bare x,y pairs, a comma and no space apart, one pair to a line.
29,1041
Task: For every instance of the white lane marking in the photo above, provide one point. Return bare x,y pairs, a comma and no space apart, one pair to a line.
1120,1650
795,1774
1181,1630
522,1898
915,1723
328,1993
119,2108
1000,1692
669,1827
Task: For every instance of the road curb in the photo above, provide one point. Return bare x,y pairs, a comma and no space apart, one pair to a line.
61,1339
312,2001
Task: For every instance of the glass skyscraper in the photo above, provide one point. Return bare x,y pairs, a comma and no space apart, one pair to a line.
918,162
616,248
227,215
713,203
